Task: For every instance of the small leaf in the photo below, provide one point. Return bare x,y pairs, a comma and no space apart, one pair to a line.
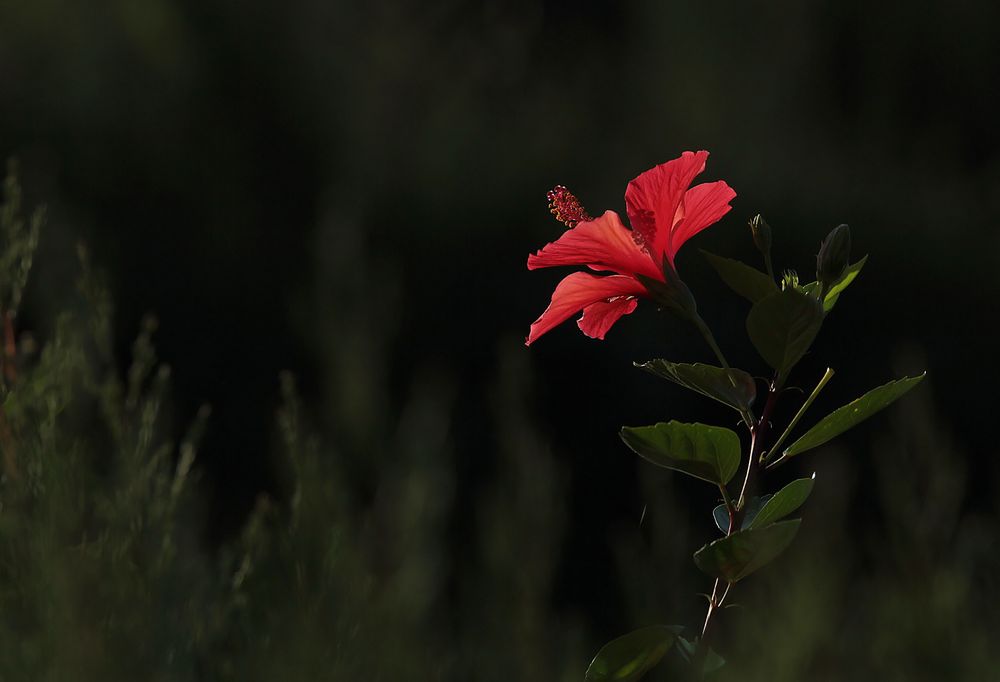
630,656
740,554
711,453
784,502
850,274
748,282
852,414
721,516
783,326
732,387
713,661
753,506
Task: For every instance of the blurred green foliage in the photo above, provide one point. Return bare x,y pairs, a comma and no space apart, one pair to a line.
105,574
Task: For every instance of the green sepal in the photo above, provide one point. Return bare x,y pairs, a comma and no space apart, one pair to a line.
830,300
784,502
630,656
748,282
783,326
671,292
732,387
753,505
711,453
736,556
852,414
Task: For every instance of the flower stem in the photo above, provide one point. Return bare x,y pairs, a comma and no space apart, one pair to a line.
710,338
746,414
767,264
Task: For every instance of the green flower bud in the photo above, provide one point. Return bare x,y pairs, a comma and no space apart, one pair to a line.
761,234
833,256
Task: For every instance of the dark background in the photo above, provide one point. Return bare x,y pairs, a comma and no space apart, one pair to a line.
277,180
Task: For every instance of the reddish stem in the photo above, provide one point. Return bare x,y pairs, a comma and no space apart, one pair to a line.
758,433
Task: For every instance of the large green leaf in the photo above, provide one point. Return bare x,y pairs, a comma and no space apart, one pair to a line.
748,282
852,414
732,387
629,657
784,502
783,326
752,508
738,555
850,274
711,453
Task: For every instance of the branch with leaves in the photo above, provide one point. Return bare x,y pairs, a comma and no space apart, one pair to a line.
665,211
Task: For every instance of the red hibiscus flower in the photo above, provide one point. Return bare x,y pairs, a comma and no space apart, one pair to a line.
664,210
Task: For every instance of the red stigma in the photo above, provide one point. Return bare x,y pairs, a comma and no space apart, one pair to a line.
566,207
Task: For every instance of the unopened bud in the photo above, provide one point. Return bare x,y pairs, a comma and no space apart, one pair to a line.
761,234
833,256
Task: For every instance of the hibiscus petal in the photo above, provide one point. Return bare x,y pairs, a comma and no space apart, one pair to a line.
602,244
703,206
598,317
578,291
652,199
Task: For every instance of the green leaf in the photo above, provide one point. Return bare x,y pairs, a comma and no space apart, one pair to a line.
783,326
732,387
753,506
710,453
748,282
630,656
740,554
784,502
850,274
852,414
721,516
713,661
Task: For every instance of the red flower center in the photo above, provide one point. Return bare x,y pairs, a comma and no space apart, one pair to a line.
566,207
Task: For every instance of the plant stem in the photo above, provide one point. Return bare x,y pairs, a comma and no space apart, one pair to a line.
701,650
712,603
746,414
766,460
758,432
